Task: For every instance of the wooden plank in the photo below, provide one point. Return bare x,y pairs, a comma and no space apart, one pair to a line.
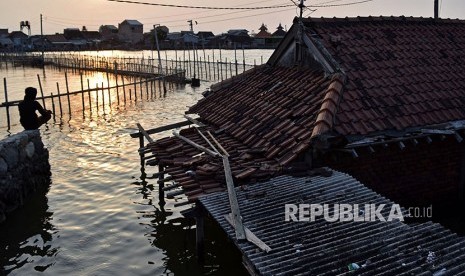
218,144
250,235
208,141
162,128
194,121
146,135
195,145
236,219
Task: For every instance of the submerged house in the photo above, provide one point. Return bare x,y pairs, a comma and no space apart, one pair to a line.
380,98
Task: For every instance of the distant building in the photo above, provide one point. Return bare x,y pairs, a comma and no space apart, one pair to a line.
3,33
6,43
57,42
263,32
108,32
19,39
131,31
75,36
279,33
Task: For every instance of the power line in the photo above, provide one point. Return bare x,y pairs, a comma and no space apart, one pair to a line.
201,7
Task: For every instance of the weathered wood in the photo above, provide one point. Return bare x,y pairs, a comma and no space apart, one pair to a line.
67,94
235,211
218,144
59,100
6,100
250,236
194,121
195,145
206,140
162,128
144,133
41,92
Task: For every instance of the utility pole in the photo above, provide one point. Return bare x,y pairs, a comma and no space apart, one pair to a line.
436,9
191,25
160,68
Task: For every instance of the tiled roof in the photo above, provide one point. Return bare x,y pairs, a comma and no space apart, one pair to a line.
327,248
264,119
401,72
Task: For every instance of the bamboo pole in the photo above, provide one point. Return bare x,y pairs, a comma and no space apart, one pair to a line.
124,90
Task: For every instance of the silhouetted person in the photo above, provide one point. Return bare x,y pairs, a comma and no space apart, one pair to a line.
27,111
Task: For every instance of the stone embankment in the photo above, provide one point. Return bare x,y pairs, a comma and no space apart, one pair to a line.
24,169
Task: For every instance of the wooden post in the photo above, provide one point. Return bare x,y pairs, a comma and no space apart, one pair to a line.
147,87
96,96
59,100
161,185
124,90
53,106
67,94
41,92
103,98
135,89
200,237
117,87
243,59
108,83
7,104
88,94
235,57
130,94
82,95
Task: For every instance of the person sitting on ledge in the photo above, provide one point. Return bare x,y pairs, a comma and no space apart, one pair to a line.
27,111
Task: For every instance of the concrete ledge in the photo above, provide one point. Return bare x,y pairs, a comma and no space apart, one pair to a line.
24,168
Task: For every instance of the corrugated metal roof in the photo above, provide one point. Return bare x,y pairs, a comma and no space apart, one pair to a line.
327,248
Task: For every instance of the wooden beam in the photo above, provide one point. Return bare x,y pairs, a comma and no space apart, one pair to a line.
250,236
218,144
235,212
195,145
194,121
208,141
146,135
162,128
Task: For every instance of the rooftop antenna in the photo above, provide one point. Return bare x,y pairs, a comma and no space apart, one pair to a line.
300,32
436,9
191,25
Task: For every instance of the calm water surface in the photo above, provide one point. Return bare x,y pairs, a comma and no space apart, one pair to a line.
98,216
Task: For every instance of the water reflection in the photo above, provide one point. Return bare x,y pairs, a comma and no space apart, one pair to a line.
27,236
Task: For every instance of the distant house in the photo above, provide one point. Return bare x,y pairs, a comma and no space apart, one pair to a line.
260,39
3,33
92,37
205,37
279,33
19,39
131,31
75,36
57,42
108,32
6,43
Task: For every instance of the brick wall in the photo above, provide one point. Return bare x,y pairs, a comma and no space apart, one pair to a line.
417,175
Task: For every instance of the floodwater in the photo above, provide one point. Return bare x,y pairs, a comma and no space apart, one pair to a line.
100,216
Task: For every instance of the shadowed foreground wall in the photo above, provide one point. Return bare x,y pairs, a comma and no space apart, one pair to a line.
24,168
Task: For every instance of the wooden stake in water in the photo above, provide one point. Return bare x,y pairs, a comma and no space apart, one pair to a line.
6,102
82,95
53,106
67,94
88,95
135,89
108,84
96,96
103,98
124,91
41,91
116,79
59,100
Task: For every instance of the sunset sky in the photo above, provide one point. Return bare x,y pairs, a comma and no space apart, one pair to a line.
60,14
